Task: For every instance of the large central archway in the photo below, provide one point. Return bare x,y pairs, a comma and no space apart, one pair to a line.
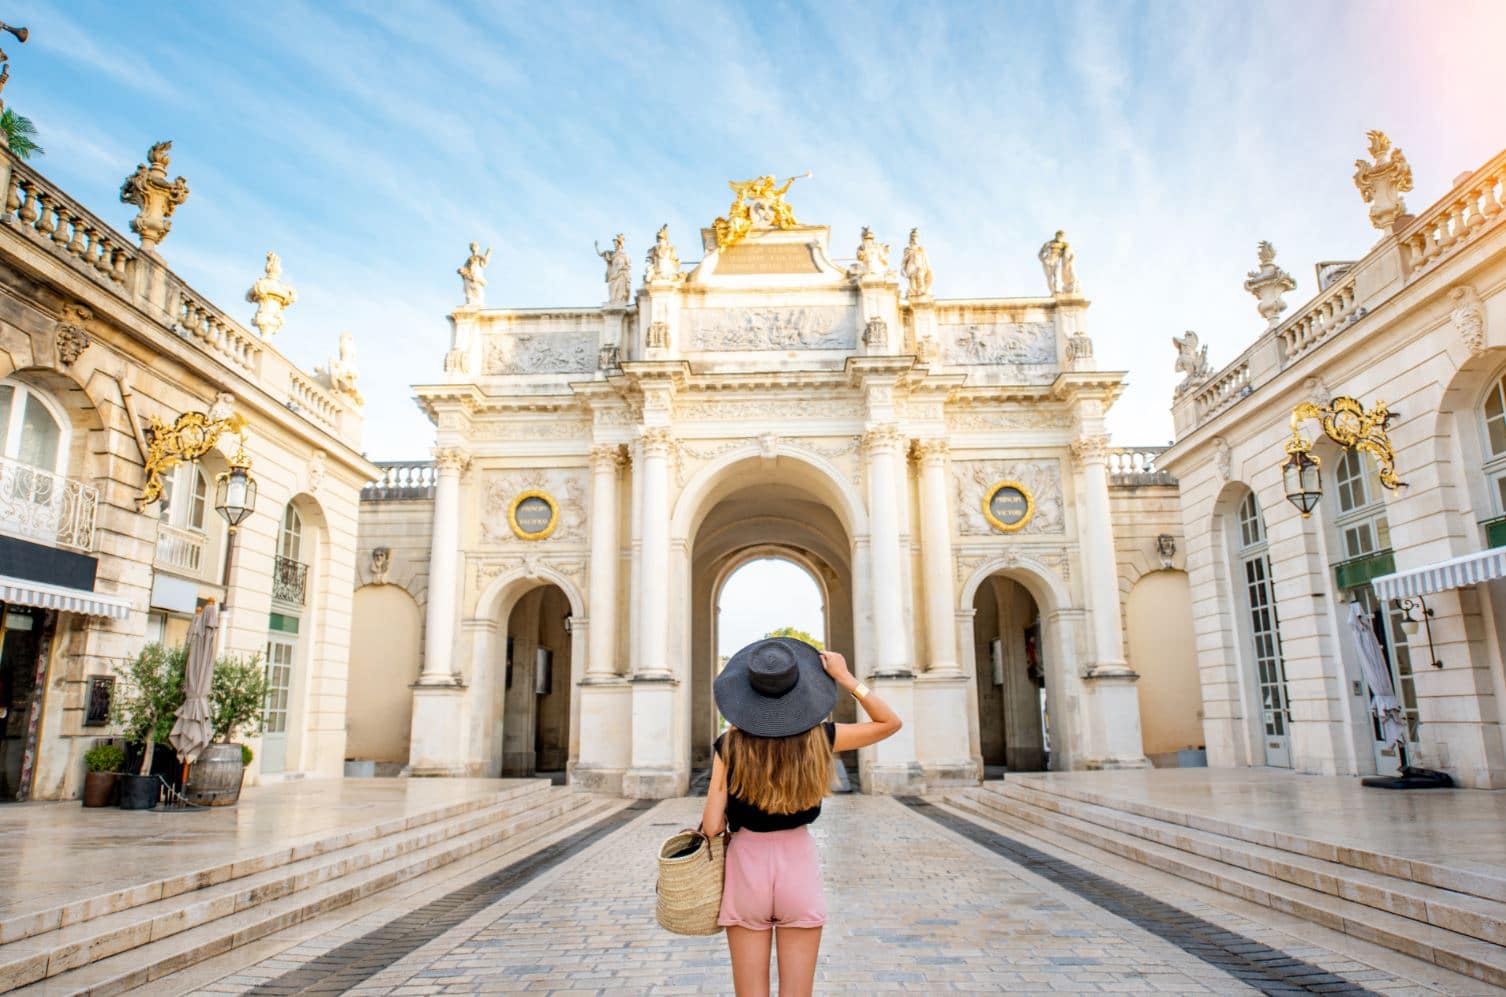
789,507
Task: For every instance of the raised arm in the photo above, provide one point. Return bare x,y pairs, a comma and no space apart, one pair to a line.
885,721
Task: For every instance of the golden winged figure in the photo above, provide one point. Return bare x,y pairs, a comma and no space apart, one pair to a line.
758,203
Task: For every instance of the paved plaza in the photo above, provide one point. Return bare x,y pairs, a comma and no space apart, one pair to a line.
921,900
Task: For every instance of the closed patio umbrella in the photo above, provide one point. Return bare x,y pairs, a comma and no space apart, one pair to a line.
194,728
1383,702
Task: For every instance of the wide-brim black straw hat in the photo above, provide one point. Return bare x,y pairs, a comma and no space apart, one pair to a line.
775,687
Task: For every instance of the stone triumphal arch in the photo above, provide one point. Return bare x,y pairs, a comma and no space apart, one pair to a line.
600,471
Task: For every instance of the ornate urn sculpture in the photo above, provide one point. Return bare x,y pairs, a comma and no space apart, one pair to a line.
157,197
1268,283
270,296
1382,182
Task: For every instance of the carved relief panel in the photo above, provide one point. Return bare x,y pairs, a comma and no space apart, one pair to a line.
541,353
565,487
974,480
811,327
1013,344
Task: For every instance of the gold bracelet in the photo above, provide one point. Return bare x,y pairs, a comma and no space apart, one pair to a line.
860,691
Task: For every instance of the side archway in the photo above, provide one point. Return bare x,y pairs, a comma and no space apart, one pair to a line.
1171,697
385,630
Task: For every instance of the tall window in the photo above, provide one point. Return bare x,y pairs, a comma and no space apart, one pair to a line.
290,542
185,497
1361,521
1265,633
31,430
1494,413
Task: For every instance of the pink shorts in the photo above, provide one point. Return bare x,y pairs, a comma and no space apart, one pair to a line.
773,881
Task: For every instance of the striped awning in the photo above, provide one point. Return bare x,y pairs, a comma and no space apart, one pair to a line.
59,597
1456,572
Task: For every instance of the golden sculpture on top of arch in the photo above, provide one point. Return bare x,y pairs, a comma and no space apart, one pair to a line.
759,204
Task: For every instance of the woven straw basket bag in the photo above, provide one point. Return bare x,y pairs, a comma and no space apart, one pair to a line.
691,866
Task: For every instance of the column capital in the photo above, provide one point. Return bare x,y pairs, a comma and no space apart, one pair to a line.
657,441
930,450
607,456
881,437
451,459
1092,448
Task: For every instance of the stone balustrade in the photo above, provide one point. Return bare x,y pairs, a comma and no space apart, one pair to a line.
1319,319
213,331
51,218
309,397
46,507
1133,466
1473,204
401,480
1230,383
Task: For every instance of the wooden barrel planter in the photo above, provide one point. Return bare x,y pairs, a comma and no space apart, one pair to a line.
99,788
215,779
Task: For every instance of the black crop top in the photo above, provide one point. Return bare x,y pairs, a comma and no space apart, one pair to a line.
744,816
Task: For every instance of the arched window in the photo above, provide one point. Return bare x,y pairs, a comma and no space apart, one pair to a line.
32,430
1262,633
290,541
1493,414
1361,520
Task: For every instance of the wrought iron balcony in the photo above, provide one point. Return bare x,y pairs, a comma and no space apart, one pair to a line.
180,550
289,580
46,507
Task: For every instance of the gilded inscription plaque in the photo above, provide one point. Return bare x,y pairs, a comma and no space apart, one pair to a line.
1008,506
533,515
760,258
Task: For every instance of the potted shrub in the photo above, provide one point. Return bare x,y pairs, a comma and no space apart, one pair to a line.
104,762
148,694
236,699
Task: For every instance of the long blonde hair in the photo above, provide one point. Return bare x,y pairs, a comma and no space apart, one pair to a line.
779,775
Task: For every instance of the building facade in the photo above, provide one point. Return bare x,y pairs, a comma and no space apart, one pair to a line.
939,467
103,350
1419,324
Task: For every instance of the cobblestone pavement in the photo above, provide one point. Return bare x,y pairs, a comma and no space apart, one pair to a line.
915,907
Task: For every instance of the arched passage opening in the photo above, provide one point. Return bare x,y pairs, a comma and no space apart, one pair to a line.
1009,658
757,511
536,682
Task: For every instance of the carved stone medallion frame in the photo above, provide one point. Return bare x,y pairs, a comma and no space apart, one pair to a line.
512,515
995,521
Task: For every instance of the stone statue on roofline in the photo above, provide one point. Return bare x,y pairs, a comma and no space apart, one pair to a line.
619,270
663,263
271,296
916,267
1059,262
1268,283
341,371
1192,361
873,257
473,275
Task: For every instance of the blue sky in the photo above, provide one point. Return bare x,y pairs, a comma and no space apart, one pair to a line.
369,144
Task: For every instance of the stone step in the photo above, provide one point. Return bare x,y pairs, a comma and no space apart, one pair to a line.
1449,949
52,953
565,814
26,920
1473,881
1461,912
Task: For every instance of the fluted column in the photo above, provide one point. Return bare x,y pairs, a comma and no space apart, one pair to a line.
881,446
444,549
653,531
936,557
1101,566
602,622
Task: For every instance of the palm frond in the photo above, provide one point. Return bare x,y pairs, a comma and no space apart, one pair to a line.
19,133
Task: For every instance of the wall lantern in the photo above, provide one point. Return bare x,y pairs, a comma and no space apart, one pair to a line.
1346,422
235,489
1414,612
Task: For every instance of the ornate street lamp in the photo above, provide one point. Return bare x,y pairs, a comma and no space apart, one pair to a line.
235,489
1346,422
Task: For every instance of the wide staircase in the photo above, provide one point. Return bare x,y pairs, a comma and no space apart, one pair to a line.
1451,917
130,937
